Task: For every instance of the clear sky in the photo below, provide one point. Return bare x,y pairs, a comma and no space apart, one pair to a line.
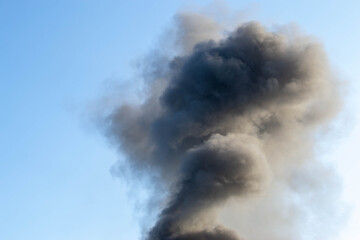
55,181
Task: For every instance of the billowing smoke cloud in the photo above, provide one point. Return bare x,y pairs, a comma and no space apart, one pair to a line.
230,118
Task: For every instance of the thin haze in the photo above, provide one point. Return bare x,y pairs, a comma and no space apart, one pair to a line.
232,118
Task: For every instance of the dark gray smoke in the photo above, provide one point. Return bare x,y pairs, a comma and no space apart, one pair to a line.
231,118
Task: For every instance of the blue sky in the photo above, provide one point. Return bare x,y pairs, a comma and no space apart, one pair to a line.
55,181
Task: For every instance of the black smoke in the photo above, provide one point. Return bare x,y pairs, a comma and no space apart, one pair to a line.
228,119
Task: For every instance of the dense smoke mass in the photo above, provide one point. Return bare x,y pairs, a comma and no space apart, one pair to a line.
232,119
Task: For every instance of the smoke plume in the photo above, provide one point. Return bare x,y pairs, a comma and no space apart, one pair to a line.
232,117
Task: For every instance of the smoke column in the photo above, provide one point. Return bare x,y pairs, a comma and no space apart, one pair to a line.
232,117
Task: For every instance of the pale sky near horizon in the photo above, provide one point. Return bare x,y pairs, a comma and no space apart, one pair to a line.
55,180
